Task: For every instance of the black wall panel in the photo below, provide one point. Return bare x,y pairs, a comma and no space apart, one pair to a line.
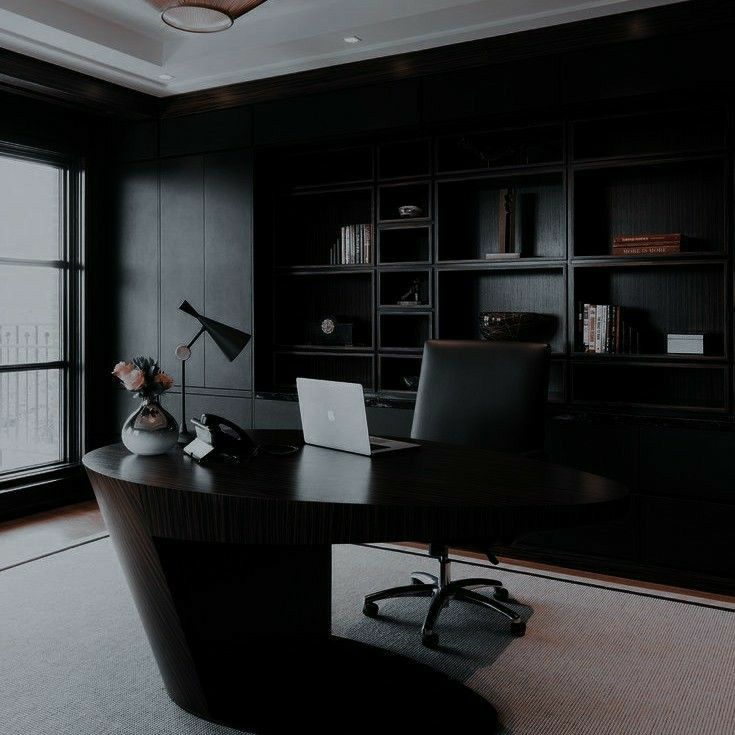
182,261
338,113
492,90
133,272
648,67
136,142
207,131
228,235
232,407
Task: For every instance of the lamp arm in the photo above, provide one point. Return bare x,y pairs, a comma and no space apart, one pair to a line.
195,338
183,353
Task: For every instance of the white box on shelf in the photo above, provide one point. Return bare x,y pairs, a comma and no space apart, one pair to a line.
685,344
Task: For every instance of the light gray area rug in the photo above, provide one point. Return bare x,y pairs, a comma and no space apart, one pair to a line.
595,661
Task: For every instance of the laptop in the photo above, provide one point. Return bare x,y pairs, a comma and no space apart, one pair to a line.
333,416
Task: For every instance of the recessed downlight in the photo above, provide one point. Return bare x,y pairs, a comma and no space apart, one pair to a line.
196,19
165,77
352,39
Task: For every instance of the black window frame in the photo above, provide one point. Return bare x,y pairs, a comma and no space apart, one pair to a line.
71,362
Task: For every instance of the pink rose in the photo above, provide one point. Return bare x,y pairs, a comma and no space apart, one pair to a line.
122,368
134,379
165,380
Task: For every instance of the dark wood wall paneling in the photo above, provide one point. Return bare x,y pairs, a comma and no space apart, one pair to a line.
184,231
557,71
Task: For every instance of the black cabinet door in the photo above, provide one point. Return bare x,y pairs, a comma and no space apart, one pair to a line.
689,535
206,254
691,464
228,244
182,262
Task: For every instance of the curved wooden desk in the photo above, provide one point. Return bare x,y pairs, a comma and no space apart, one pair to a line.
230,568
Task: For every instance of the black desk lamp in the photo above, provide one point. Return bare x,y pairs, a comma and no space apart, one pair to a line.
230,340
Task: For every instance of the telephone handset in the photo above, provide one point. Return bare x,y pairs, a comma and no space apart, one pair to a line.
218,436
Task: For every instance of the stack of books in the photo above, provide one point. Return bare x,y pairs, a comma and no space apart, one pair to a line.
601,329
647,244
354,247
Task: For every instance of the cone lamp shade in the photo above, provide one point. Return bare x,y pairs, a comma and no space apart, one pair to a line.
230,340
203,16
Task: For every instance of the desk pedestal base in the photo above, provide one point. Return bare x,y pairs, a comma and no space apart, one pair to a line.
241,635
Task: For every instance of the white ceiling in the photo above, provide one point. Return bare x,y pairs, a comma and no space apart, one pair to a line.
125,41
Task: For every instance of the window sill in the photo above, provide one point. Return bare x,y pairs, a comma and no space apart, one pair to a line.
31,491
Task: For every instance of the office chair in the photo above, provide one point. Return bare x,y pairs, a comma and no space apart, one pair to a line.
482,394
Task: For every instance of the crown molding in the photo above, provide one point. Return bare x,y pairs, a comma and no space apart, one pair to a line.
43,80
684,17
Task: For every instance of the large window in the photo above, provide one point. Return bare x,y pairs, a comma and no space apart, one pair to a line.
40,311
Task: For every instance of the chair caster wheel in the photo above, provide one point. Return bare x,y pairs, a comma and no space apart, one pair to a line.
370,609
430,640
518,629
501,594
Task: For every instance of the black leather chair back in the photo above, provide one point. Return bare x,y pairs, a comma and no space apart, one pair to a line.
486,394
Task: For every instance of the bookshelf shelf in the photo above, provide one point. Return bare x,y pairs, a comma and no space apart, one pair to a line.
714,256
501,264
577,184
682,196
405,243
391,197
470,212
398,372
650,357
306,270
691,386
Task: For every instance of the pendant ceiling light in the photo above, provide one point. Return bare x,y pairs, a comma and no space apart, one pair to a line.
207,16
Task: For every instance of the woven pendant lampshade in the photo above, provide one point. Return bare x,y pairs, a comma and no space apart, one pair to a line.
203,16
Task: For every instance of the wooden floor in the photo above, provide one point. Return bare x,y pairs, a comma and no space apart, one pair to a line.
28,538
46,533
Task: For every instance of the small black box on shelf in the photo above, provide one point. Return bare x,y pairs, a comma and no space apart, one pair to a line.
331,331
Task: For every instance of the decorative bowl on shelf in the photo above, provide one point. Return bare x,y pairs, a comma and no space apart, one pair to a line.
410,210
514,326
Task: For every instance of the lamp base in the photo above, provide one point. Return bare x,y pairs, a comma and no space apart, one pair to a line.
185,437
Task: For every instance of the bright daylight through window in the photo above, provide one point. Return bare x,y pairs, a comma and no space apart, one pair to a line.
37,294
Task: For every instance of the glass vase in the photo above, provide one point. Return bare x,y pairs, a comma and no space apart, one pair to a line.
150,429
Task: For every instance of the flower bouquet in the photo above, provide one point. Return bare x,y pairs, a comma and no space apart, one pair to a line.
150,429
143,376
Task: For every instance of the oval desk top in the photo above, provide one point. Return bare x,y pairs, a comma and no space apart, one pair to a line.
431,475
320,495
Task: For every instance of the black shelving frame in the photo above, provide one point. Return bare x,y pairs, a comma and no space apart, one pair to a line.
560,268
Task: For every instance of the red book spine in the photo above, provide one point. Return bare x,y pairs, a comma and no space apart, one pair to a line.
659,249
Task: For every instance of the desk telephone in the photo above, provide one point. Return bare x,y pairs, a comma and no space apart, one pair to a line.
216,436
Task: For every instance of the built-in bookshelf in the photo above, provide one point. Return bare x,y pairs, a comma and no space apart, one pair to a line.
436,247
